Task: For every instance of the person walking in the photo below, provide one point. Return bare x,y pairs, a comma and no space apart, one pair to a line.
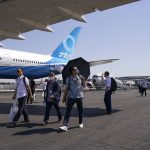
32,87
144,87
44,89
21,92
52,97
140,87
74,89
108,92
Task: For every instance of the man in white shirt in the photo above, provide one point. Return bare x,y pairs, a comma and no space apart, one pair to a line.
108,92
21,92
44,89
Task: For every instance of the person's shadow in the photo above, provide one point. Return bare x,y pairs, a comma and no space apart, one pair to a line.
40,110
37,131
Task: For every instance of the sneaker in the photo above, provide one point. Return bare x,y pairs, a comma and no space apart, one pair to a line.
64,128
81,125
45,123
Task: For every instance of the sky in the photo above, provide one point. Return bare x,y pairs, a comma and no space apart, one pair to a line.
121,32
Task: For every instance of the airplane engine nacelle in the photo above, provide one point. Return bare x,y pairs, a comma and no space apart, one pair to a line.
97,80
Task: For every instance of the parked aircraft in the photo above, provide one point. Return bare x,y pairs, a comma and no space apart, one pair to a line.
135,80
99,83
38,65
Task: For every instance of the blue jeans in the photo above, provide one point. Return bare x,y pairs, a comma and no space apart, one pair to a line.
70,104
21,110
49,106
107,100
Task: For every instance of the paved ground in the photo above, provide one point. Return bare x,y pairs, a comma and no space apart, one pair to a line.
128,128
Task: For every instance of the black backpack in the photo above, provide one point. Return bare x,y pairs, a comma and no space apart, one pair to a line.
113,85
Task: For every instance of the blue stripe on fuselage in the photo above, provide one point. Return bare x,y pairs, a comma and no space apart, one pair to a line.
10,72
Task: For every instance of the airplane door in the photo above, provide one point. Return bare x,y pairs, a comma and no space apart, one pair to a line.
6,60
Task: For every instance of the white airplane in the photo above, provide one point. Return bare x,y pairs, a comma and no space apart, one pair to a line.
99,83
20,16
38,65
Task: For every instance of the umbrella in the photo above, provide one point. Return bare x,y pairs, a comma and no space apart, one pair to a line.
82,65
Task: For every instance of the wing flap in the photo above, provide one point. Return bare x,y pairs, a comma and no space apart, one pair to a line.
113,3
91,6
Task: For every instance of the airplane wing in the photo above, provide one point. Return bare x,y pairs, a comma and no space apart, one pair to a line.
101,62
20,16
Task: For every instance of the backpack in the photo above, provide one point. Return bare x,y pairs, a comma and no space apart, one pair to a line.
113,85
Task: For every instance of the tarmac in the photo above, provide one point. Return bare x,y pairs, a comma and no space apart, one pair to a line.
127,128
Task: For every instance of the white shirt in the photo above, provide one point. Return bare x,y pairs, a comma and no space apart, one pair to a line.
21,89
107,82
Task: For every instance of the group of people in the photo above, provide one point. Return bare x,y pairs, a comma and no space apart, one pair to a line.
73,93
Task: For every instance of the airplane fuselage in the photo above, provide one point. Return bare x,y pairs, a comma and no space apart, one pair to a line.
34,65
37,65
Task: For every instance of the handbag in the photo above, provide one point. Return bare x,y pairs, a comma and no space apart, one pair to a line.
13,111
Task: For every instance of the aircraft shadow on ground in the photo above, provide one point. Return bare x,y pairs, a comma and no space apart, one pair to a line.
40,110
